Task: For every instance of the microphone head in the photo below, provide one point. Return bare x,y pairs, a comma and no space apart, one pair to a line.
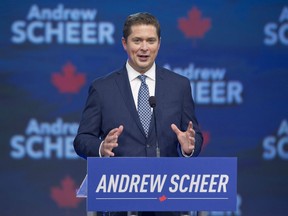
152,101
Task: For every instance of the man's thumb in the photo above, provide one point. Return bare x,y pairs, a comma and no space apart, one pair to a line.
175,129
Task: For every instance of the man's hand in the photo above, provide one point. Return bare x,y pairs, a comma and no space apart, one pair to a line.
186,138
111,142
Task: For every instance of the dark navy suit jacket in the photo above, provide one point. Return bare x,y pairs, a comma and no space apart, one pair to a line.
110,104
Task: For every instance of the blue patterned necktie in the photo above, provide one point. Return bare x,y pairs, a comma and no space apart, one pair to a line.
144,110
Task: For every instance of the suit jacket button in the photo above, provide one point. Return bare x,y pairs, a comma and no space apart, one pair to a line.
148,146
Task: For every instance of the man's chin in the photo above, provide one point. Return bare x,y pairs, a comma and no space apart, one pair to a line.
144,67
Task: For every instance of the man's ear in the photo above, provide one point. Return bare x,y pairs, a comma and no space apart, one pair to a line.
124,44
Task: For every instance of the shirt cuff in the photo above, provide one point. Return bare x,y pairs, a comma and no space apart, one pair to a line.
185,155
100,148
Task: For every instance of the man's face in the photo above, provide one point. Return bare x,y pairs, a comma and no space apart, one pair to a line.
142,47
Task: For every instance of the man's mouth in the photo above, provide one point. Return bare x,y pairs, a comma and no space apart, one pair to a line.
143,57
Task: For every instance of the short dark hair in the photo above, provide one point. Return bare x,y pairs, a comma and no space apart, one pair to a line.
142,18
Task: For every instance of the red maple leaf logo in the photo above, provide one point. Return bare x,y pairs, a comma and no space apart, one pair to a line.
162,198
194,26
65,195
206,137
68,81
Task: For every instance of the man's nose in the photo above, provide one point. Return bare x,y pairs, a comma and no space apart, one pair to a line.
144,45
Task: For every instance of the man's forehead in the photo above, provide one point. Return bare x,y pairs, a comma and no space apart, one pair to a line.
138,26
135,29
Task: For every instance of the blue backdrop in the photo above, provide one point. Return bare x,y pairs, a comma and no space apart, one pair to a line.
234,53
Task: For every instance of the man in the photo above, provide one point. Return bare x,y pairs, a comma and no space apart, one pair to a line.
115,122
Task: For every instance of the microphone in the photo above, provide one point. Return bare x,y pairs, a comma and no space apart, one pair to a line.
152,103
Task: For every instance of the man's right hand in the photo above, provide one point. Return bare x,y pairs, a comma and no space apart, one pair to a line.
111,142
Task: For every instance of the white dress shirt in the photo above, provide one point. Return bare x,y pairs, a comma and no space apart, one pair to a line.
135,82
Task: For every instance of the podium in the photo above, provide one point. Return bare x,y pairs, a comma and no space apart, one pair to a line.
160,184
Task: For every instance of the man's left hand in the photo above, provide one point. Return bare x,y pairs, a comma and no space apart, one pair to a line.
186,138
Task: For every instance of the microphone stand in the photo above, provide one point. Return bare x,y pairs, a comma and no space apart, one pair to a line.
152,102
157,144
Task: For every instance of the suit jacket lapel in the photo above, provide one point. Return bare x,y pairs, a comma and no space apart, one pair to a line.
159,94
123,84
160,86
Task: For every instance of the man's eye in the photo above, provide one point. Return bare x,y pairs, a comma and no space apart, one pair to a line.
136,41
151,41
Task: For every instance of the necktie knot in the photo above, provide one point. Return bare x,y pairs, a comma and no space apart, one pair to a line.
142,78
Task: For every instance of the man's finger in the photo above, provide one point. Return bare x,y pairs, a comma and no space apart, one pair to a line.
119,130
175,129
109,153
110,145
112,132
192,140
190,125
111,139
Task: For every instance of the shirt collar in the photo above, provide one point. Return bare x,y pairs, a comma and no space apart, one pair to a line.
133,74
